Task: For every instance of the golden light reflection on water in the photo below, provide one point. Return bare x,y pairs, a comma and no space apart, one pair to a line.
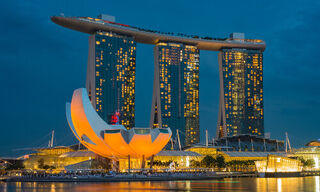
288,184
279,185
167,186
317,187
241,184
188,185
53,187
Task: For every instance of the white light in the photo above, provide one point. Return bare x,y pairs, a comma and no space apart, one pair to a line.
316,162
279,185
187,163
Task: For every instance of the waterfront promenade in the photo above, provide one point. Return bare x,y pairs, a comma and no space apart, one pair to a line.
168,176
113,177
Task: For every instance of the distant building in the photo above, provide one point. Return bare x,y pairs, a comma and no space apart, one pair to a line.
241,93
250,143
275,164
233,158
309,153
53,157
175,102
314,143
111,77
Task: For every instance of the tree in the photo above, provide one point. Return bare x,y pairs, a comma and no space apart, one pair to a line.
240,165
41,163
208,161
45,167
220,161
307,163
15,165
194,163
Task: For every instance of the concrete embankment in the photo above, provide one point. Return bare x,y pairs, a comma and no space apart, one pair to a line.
110,179
129,178
284,174
3,178
237,174
293,174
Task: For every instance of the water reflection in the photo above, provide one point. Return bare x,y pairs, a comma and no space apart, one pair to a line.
279,185
241,184
188,185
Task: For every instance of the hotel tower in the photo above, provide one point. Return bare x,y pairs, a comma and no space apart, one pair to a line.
111,77
175,101
241,92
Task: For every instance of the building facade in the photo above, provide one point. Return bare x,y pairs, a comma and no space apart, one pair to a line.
252,143
241,93
111,77
175,101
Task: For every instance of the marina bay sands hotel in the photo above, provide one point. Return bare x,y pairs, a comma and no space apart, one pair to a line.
111,73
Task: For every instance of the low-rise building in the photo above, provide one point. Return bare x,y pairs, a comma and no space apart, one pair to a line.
275,164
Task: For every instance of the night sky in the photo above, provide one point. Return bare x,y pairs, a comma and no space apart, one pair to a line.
42,63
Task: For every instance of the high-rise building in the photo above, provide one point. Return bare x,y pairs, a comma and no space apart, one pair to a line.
175,101
241,93
111,77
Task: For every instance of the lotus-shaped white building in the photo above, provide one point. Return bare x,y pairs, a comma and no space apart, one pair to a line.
111,141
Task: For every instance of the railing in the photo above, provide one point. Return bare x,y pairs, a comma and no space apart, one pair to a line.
100,21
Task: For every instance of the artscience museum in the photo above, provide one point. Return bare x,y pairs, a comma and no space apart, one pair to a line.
111,141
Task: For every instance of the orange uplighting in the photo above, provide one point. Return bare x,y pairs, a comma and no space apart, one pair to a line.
82,126
112,141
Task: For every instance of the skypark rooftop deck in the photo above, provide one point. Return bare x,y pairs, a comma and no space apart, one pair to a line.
91,25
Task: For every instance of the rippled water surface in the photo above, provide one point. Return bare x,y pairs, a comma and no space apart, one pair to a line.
241,184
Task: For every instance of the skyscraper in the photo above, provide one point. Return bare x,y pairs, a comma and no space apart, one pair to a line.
175,102
111,77
241,93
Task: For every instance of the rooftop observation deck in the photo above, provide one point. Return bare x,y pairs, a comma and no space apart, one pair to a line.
91,25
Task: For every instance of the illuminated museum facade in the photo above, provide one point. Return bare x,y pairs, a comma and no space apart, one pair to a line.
112,141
